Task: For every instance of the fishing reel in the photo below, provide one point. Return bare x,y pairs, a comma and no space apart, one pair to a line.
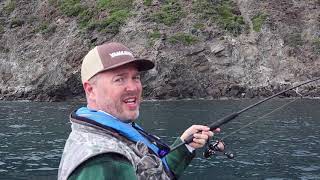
214,147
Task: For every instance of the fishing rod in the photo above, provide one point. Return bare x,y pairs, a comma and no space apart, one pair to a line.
232,116
219,145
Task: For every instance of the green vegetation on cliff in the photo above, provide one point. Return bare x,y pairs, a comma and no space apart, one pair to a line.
199,26
1,29
90,18
153,36
147,2
45,28
183,38
222,12
316,45
71,7
257,21
169,13
109,15
9,6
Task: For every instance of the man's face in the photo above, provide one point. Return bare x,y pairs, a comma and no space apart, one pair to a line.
118,92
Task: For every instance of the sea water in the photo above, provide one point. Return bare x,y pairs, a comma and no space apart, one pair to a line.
284,144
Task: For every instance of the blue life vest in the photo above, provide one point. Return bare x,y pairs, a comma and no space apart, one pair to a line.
129,130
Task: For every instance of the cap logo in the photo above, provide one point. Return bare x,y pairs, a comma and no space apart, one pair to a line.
121,53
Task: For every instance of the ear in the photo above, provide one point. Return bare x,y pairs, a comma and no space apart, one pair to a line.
89,90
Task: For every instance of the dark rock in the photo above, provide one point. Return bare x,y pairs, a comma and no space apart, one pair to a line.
249,93
203,68
213,92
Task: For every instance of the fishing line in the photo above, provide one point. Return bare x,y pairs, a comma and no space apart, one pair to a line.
213,148
258,119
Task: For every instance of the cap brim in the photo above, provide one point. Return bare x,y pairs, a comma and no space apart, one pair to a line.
141,64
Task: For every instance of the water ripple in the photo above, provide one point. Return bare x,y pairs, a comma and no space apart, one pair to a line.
303,153
42,169
307,168
17,126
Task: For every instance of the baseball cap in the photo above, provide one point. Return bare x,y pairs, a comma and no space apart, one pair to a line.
108,56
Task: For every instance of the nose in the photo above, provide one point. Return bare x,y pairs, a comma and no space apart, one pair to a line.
133,85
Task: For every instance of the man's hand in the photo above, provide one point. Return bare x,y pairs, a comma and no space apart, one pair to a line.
200,133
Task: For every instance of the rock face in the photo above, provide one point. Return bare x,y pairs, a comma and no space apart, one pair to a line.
212,49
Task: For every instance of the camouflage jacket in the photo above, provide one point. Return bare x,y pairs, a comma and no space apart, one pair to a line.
86,141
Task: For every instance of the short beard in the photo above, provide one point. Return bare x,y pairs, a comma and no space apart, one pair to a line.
116,110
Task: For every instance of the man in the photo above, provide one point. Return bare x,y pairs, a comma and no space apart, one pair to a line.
105,142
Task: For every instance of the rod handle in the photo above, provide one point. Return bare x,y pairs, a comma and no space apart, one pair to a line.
215,125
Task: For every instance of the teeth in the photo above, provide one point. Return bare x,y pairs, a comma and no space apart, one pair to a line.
130,100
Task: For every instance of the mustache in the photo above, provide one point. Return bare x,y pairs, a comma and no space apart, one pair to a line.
129,94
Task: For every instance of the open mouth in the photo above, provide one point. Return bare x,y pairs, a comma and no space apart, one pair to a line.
130,100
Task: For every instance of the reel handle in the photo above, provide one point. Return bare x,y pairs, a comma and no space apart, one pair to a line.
215,147
229,155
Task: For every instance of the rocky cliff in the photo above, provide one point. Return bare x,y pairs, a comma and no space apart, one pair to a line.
202,48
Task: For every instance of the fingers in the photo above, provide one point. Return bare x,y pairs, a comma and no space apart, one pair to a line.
201,138
203,135
194,129
217,130
198,128
200,134
198,142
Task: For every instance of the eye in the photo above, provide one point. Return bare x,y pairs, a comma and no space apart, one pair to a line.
118,79
137,77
